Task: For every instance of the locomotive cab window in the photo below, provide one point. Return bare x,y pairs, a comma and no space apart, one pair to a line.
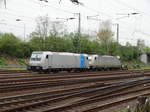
36,56
95,58
46,56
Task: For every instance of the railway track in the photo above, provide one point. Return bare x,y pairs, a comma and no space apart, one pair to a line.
13,71
9,72
21,84
77,92
87,96
60,77
34,77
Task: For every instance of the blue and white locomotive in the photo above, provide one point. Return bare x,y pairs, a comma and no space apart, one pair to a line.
47,61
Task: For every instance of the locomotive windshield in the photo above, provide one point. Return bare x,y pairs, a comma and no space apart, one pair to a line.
36,56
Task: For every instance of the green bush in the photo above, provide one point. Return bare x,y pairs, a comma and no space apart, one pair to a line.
2,61
13,46
21,61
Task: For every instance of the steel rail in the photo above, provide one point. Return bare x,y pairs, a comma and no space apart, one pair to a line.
13,87
107,93
78,104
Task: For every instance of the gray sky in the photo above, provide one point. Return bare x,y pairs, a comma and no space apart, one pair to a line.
131,28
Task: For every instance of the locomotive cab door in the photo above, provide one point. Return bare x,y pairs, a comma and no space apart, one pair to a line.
47,61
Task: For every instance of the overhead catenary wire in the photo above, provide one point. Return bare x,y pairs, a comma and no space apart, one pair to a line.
141,13
25,18
62,10
143,33
47,4
66,11
19,14
16,26
15,15
14,18
56,8
131,7
89,8
94,10
51,6
11,13
25,29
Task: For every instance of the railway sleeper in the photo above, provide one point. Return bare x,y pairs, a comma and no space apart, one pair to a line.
35,104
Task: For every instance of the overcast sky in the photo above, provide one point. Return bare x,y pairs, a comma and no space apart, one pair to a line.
131,28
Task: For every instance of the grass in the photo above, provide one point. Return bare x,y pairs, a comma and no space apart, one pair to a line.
5,66
124,110
132,65
145,107
13,68
3,61
21,61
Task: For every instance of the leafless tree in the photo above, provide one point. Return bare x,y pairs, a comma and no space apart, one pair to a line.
46,27
105,34
42,26
141,45
57,28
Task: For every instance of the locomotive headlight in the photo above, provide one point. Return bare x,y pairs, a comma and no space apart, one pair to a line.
118,57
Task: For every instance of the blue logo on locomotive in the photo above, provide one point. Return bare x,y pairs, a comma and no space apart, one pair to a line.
82,61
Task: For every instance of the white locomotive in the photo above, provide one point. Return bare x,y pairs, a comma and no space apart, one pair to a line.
58,61
104,62
46,61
